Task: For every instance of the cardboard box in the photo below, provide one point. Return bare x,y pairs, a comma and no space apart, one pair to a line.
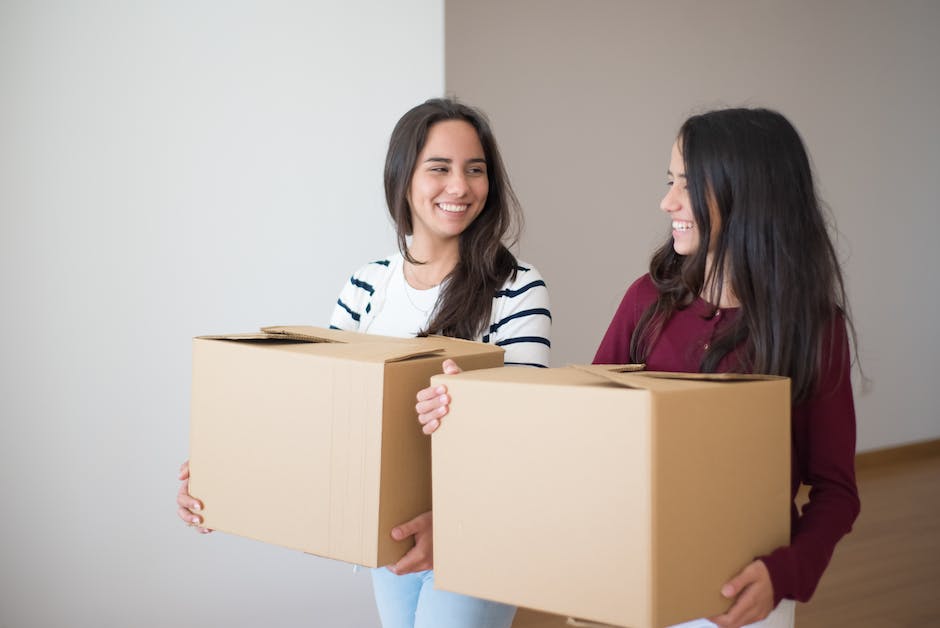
626,498
308,438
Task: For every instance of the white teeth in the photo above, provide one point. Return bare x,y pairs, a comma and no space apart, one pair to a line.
451,207
682,225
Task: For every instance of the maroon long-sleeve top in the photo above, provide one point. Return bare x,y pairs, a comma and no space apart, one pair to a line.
822,431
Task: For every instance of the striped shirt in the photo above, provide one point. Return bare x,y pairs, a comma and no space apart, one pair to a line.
520,321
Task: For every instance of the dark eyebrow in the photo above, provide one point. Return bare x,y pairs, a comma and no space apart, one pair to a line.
669,174
444,160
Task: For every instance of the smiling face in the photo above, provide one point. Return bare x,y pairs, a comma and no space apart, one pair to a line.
449,185
676,204
686,232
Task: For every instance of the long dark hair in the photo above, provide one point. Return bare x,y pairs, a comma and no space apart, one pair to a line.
466,299
772,249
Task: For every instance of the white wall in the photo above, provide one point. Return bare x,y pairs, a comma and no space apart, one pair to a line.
169,169
586,99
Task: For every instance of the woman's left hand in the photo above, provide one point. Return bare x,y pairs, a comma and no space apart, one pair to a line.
421,556
755,597
433,402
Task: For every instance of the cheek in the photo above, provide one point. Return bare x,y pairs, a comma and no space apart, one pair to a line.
481,190
418,191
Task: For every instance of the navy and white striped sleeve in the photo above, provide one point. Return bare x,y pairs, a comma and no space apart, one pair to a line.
355,298
347,310
523,320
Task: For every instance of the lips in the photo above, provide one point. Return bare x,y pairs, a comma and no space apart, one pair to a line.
453,208
682,225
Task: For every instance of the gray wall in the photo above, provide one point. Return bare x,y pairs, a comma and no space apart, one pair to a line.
586,98
169,169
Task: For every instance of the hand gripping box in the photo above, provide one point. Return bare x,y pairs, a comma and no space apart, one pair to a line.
308,438
620,497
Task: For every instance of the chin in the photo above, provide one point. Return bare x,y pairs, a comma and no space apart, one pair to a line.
684,246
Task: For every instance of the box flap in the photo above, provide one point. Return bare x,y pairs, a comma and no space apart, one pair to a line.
401,353
602,370
610,372
295,334
363,346
711,377
306,332
250,336
348,344
633,375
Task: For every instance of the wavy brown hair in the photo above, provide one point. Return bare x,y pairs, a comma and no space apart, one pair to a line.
773,250
485,263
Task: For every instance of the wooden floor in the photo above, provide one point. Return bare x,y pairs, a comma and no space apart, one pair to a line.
886,573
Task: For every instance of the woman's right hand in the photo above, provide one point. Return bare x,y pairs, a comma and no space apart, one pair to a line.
189,506
434,402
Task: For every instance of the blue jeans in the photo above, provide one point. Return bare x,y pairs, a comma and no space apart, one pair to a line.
411,601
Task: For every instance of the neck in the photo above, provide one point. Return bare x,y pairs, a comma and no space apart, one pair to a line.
437,260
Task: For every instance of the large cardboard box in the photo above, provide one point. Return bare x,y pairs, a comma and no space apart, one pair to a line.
626,498
308,438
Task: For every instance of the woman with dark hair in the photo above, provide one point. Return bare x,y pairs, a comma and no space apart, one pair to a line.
447,190
749,282
455,214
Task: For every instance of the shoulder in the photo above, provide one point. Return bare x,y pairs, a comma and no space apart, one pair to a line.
642,290
639,295
378,268
527,278
363,293
615,346
522,318
364,288
372,277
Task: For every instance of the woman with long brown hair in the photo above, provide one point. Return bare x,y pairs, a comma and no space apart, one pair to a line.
749,282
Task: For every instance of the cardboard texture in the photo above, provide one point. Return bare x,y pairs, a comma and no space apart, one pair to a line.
307,437
626,498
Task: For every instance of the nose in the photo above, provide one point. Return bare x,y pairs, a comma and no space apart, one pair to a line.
457,184
670,202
